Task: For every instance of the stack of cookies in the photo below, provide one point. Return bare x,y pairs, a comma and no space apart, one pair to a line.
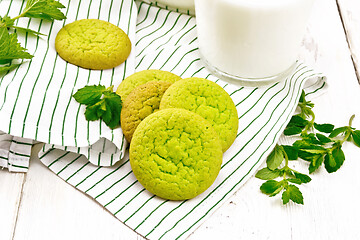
178,130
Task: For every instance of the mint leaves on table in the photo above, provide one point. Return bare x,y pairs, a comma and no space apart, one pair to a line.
317,144
10,48
101,103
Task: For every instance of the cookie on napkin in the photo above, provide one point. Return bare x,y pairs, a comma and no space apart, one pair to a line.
207,99
93,44
175,154
141,102
139,78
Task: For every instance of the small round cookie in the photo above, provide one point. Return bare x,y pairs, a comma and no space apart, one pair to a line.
139,78
93,44
141,102
210,101
175,154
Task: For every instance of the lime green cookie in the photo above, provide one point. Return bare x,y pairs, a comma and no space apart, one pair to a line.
93,44
210,101
175,154
141,102
139,78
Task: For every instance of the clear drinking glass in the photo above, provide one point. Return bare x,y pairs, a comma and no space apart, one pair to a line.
251,42
187,5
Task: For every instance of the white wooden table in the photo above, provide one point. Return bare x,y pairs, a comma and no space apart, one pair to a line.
39,205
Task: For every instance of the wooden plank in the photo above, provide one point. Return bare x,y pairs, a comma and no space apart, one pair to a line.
10,195
331,209
53,209
350,13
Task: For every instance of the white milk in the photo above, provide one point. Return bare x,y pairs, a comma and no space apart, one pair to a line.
251,38
181,4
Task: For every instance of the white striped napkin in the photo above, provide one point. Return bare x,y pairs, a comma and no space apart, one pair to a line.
14,152
167,40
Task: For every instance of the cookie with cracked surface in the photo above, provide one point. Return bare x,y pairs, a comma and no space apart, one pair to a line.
93,44
210,101
175,154
142,77
141,102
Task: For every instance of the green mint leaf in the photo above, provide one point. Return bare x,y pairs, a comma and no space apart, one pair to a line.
43,9
275,158
95,111
293,130
339,156
114,106
107,115
330,160
311,139
292,193
301,144
278,190
307,156
295,126
325,128
285,196
270,187
9,67
89,95
289,173
309,146
308,151
291,152
298,121
323,139
28,31
316,162
302,177
356,137
338,131
334,160
6,22
102,103
294,180
302,97
268,174
313,151
10,47
91,113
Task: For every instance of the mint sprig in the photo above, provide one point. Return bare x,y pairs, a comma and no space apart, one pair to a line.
101,103
289,177
317,144
10,48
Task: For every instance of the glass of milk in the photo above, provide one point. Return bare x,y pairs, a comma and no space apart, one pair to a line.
252,42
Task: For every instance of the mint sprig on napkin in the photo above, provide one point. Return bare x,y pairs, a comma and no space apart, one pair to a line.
318,144
101,103
10,48
43,9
